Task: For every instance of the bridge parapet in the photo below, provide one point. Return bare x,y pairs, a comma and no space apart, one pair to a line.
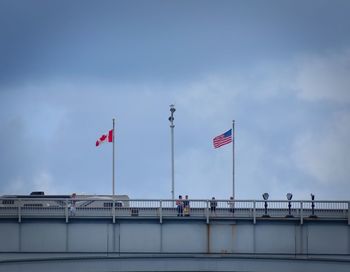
109,207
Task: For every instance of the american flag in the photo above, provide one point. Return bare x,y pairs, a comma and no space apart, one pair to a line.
223,139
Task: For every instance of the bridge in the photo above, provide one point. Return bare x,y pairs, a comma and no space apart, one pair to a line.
105,234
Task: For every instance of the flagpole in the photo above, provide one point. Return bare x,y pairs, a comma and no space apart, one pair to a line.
113,181
233,158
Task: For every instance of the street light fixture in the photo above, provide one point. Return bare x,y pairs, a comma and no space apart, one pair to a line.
171,120
172,110
289,197
265,197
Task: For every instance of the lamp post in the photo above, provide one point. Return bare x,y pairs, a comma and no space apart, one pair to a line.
265,197
171,119
289,197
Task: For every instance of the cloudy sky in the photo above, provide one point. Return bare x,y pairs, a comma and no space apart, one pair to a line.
281,69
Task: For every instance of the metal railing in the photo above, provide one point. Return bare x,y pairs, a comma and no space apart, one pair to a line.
97,207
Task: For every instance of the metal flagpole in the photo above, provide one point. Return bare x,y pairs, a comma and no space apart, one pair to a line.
113,181
233,158
171,119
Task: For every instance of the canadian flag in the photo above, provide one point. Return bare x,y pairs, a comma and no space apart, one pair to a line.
105,138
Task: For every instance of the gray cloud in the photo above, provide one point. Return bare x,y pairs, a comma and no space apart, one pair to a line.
158,40
324,153
67,68
325,77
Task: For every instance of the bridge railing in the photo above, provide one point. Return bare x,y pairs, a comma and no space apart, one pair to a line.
107,207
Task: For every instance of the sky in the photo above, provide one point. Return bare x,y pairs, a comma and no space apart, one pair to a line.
280,69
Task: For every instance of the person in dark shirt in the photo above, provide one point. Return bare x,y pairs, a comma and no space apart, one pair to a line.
213,204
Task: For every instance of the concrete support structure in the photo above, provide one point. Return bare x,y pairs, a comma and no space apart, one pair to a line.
105,233
225,245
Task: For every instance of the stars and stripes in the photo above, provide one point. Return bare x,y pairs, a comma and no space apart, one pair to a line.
223,139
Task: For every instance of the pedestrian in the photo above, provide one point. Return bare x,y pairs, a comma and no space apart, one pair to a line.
213,204
72,208
231,204
186,206
180,208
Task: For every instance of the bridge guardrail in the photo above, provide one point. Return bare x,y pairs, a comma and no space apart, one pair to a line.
150,208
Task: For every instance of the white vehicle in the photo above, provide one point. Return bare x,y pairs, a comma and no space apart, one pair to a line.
101,201
40,200
34,200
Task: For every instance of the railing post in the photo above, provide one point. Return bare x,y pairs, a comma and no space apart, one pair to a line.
66,210
207,211
254,212
113,211
160,212
301,213
19,211
348,213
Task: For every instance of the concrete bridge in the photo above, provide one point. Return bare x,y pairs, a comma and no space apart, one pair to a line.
148,235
